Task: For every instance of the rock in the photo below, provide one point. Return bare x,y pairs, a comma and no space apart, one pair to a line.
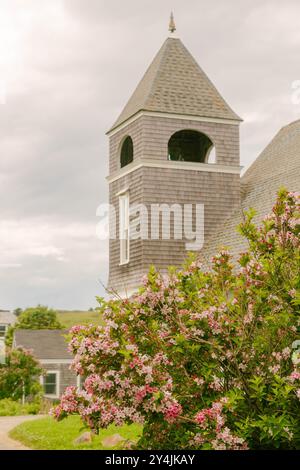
112,441
84,438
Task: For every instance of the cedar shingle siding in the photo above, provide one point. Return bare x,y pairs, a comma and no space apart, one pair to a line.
67,377
151,136
219,192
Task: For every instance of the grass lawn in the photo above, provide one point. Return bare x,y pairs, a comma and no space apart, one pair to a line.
77,317
47,434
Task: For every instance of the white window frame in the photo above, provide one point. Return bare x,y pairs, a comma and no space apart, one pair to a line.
124,234
79,383
42,382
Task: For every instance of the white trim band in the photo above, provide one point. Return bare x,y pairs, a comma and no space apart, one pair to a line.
171,165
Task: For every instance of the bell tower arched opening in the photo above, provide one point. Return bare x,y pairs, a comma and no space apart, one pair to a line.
190,146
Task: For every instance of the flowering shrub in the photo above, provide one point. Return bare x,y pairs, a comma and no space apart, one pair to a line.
203,359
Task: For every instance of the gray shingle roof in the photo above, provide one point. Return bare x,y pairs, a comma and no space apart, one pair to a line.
174,83
45,344
7,318
277,166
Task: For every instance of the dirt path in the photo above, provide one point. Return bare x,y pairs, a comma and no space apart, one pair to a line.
6,425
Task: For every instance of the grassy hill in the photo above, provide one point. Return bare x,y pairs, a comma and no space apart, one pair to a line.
70,318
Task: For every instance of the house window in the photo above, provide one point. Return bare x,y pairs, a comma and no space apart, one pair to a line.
124,228
127,152
2,331
190,146
50,384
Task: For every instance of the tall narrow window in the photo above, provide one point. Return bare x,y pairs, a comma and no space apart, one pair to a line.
124,228
127,152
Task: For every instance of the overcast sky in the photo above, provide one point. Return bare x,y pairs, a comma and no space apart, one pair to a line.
67,68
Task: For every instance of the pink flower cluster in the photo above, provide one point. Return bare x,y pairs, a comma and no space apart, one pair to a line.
206,416
225,440
212,423
254,273
172,412
170,408
68,404
142,392
294,376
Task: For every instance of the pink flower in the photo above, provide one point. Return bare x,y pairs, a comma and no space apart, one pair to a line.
294,376
172,412
200,417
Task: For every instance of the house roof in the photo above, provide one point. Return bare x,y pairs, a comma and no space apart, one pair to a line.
45,344
174,83
277,166
7,318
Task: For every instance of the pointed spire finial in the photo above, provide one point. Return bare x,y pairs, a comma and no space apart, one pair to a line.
172,26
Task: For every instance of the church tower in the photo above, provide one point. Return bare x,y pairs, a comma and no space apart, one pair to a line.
176,144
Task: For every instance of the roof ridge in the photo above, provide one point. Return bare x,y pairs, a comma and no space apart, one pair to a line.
163,51
209,80
137,88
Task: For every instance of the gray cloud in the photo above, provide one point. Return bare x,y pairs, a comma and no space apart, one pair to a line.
69,67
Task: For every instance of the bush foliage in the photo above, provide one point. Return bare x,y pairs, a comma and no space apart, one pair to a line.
9,407
204,359
19,375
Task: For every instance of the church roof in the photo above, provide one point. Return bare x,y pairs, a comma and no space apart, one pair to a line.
277,166
174,83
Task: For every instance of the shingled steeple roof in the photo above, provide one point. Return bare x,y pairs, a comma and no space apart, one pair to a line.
175,84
